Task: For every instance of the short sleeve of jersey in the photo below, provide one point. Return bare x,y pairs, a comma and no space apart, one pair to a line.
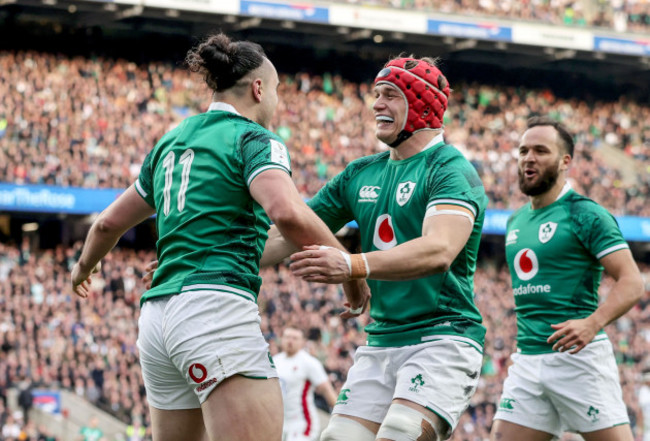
597,229
456,182
317,374
260,151
144,183
329,202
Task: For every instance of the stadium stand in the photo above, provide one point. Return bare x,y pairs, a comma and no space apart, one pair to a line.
82,121
620,15
69,139
88,347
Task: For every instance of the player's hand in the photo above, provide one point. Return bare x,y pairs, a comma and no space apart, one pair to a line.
358,294
148,275
320,264
573,335
81,279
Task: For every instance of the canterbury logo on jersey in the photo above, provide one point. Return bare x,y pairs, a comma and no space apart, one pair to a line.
384,235
369,193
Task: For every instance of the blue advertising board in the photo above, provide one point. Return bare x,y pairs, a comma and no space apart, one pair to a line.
69,200
47,400
622,46
286,11
50,199
482,31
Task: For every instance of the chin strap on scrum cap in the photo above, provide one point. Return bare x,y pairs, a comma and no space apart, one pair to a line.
425,89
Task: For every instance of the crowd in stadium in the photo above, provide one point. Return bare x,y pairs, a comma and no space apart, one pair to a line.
90,122
53,340
621,15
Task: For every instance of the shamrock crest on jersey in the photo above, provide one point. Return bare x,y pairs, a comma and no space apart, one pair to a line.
546,231
404,192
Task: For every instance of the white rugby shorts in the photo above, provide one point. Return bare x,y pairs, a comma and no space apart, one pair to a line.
559,392
191,342
441,375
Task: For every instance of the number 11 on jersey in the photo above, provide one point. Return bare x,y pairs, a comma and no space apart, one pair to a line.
168,164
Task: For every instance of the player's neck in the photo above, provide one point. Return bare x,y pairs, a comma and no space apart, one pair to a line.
417,143
546,199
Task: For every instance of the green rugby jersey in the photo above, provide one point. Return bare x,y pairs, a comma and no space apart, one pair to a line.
211,231
553,254
389,200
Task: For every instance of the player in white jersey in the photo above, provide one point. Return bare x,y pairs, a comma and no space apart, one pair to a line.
301,375
564,376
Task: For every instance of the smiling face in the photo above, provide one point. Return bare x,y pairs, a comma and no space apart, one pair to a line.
541,160
390,112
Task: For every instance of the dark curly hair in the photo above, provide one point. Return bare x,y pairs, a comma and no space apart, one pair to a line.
223,62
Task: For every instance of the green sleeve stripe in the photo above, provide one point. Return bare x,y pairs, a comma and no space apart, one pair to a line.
470,207
610,250
140,190
261,169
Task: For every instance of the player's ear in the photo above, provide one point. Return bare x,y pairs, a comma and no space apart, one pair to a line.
565,161
256,89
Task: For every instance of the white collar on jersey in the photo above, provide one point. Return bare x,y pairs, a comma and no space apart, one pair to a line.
436,140
218,105
564,191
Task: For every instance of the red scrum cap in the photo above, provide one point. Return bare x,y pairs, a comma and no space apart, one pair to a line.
425,90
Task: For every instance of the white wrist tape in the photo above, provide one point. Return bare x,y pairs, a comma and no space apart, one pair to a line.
365,261
355,311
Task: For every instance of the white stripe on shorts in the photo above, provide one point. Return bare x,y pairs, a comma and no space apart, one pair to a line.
469,341
222,288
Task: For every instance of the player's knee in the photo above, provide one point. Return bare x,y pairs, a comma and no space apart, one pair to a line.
346,429
403,423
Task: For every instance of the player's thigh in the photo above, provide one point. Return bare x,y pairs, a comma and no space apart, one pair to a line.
585,389
211,336
244,409
178,425
167,388
618,433
369,387
507,431
406,420
441,377
524,402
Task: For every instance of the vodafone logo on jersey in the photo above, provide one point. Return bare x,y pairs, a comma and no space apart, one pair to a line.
384,236
198,372
526,264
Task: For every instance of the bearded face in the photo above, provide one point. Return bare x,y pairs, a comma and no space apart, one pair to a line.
534,181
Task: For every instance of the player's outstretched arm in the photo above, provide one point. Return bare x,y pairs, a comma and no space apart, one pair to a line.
274,190
573,335
443,237
276,249
125,212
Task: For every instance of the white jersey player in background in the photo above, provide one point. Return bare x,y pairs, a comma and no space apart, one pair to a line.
300,375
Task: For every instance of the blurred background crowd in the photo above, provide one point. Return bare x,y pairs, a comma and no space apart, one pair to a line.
89,122
50,339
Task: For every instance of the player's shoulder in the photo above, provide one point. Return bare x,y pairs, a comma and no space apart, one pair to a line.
519,212
365,162
578,205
